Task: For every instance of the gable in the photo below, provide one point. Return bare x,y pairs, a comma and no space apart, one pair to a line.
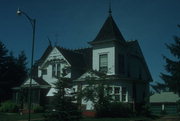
35,81
27,82
55,55
88,74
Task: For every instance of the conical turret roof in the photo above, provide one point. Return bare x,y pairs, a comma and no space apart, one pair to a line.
108,32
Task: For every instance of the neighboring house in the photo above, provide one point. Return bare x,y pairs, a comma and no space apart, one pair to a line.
164,102
122,61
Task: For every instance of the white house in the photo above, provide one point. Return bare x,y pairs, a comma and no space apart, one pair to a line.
122,61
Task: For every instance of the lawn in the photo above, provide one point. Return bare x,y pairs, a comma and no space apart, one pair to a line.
39,117
118,119
17,117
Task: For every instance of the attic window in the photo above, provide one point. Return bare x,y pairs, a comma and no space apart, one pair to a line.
56,70
103,63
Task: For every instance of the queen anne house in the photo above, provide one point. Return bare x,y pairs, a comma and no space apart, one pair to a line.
122,61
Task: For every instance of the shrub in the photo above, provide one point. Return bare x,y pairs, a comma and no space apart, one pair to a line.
178,106
38,109
9,107
118,109
146,111
114,109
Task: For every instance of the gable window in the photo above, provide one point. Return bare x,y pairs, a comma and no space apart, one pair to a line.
56,70
53,70
44,71
103,63
121,64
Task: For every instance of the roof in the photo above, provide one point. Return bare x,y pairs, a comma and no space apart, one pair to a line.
109,32
90,74
168,97
135,50
74,58
46,53
87,55
36,81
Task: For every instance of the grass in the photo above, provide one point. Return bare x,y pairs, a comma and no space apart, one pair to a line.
17,117
118,119
39,117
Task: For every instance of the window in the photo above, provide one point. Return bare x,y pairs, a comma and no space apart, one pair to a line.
109,90
124,94
103,63
58,70
44,71
116,90
118,93
121,64
53,70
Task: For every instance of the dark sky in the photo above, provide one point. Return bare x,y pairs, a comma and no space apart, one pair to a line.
73,23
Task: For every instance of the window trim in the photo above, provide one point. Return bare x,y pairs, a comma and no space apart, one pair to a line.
120,94
103,68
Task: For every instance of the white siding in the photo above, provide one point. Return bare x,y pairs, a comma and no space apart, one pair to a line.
111,59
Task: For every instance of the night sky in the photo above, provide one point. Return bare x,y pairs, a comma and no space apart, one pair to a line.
73,23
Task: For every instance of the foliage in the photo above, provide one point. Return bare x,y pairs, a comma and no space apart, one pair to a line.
146,110
12,71
9,107
17,117
38,109
62,107
118,109
178,106
96,91
158,87
172,80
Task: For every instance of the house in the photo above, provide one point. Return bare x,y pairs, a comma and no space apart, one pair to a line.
164,102
122,61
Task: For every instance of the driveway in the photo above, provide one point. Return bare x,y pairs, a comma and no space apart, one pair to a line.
169,118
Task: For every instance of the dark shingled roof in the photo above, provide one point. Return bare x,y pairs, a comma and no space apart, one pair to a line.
46,53
74,58
41,81
108,32
87,56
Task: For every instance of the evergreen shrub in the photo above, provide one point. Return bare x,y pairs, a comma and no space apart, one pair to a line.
114,109
38,109
9,107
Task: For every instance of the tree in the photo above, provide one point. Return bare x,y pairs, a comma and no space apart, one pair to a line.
97,92
172,79
62,108
22,67
12,71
